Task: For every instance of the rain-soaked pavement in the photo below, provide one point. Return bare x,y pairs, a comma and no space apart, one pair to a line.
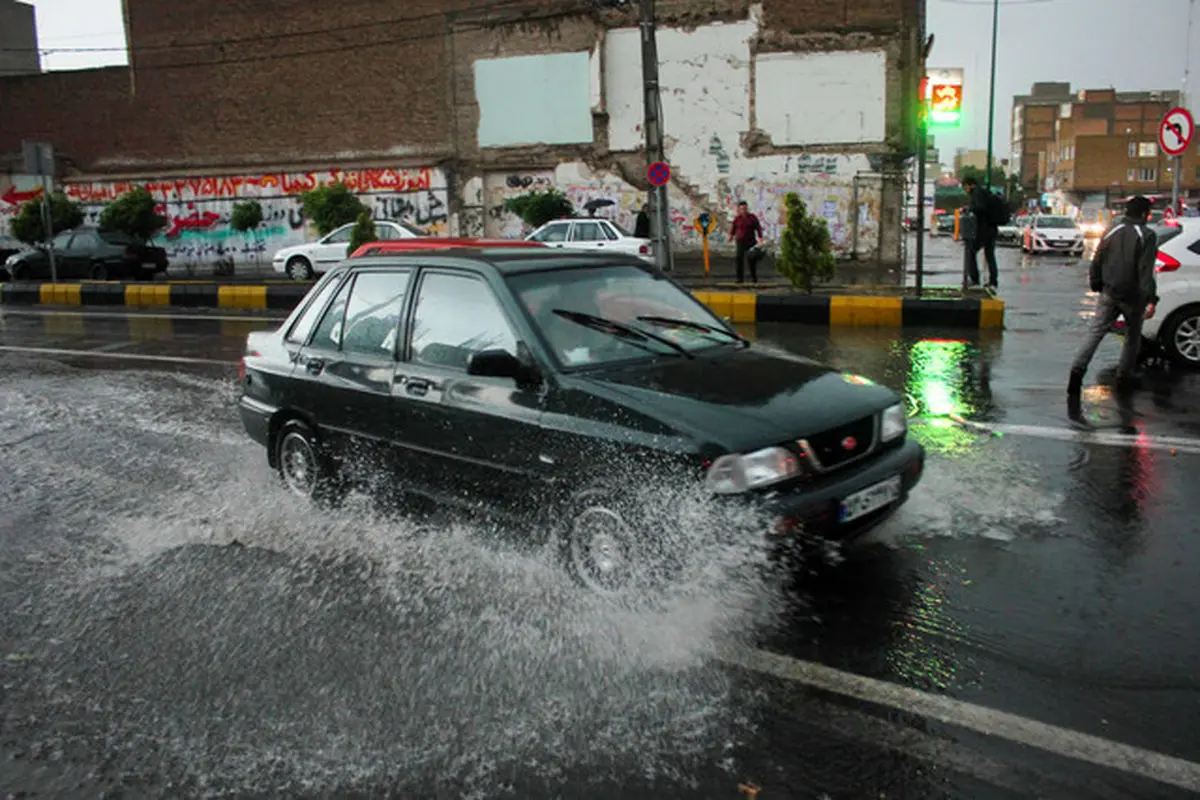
172,625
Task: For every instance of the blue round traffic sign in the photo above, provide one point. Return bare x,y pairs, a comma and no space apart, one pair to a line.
659,173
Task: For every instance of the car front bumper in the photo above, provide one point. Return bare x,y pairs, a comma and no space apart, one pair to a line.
813,512
1057,247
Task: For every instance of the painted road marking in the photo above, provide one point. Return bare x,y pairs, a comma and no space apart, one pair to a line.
987,721
136,315
1182,444
55,351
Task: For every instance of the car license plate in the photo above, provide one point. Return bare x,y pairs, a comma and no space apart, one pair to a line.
870,499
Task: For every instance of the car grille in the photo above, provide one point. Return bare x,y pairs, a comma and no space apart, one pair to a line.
839,446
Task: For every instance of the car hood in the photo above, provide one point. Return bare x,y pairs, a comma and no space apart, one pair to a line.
741,400
294,250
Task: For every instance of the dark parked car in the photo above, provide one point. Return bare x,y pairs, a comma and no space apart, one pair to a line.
10,247
90,253
549,383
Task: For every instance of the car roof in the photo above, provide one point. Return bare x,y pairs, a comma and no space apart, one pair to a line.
383,246
505,260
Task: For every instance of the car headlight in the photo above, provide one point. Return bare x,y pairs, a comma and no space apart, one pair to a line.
13,259
894,423
737,473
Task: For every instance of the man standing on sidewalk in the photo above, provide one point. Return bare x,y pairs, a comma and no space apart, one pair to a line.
1123,273
745,232
983,209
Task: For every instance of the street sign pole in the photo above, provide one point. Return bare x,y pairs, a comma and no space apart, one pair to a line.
1175,184
652,112
1175,133
39,160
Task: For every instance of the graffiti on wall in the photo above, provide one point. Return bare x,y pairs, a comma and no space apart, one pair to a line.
822,182
199,210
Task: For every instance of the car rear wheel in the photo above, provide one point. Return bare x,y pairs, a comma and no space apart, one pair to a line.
299,269
1180,336
304,468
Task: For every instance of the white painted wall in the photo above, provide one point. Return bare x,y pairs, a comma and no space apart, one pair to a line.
801,99
822,98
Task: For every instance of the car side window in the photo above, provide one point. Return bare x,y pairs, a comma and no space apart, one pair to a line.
609,232
84,241
1195,247
456,317
384,231
373,315
61,241
553,233
587,232
340,237
329,331
300,331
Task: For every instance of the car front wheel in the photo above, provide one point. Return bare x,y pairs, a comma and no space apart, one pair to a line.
1180,336
304,468
299,269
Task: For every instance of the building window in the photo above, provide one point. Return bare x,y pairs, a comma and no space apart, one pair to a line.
1064,111
1147,174
1148,150
1130,175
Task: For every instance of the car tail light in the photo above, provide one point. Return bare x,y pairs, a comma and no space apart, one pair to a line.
242,368
644,249
1166,263
131,254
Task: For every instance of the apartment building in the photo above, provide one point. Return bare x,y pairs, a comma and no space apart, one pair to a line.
1105,147
1033,117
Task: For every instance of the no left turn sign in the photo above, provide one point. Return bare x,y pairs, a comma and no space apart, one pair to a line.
1176,131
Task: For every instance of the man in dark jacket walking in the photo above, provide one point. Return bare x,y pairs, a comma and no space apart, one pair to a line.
1123,273
984,236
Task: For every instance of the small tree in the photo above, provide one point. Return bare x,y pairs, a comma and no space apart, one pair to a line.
246,216
134,213
364,231
330,207
537,208
806,249
64,215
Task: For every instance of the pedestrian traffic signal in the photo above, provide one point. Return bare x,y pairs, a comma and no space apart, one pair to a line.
945,107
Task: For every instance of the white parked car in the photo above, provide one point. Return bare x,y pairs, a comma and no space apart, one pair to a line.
303,262
592,234
1175,325
1048,233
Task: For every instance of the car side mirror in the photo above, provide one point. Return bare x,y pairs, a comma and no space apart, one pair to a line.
501,364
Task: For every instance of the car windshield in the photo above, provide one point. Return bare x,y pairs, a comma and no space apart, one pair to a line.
1056,222
1166,233
413,229
621,230
626,295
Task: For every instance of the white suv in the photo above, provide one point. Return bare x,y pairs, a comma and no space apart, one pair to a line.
1176,322
303,262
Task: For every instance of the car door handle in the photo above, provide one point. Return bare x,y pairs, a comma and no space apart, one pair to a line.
314,366
418,387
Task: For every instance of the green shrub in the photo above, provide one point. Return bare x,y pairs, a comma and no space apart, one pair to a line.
330,207
64,215
537,208
806,249
246,216
133,213
364,231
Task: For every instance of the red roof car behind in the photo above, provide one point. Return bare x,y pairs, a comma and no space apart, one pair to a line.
435,243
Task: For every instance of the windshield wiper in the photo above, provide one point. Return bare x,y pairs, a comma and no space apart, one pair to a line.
696,326
619,330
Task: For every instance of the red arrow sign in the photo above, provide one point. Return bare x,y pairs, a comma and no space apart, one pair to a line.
15,198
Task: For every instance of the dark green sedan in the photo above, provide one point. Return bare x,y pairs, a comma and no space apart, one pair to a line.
548,386
89,253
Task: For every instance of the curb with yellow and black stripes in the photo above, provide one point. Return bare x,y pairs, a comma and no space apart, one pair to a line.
738,307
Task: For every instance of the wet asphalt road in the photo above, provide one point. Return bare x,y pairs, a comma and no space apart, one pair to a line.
172,625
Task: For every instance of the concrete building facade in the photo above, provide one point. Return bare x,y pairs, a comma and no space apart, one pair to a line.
437,112
1033,118
18,39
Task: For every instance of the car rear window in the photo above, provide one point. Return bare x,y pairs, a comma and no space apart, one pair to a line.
117,237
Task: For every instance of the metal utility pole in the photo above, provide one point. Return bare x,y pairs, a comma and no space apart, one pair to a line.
987,167
1177,172
39,160
660,231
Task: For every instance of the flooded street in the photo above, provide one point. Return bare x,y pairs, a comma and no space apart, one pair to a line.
172,623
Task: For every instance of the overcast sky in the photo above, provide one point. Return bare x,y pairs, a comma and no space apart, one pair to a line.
1091,43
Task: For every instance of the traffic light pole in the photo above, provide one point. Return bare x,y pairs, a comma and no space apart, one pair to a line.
987,167
922,148
652,99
